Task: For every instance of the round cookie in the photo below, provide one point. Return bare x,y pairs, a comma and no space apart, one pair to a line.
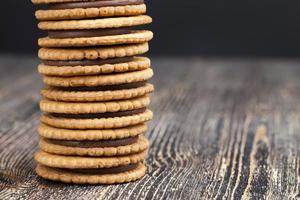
134,37
82,13
49,132
58,54
100,80
91,96
137,63
77,162
90,148
97,123
115,22
50,106
83,178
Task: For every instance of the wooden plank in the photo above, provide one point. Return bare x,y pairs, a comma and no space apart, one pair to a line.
223,129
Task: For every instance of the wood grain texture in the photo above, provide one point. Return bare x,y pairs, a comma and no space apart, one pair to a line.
223,129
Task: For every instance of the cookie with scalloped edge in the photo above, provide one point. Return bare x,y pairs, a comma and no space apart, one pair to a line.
58,94
134,37
137,63
115,22
90,147
92,53
65,176
97,123
50,132
51,106
79,162
99,80
84,13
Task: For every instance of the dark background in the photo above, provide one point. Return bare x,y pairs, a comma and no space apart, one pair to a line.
188,27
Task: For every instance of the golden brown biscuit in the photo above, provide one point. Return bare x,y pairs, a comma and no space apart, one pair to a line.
137,63
77,162
55,174
92,96
134,37
97,123
83,13
97,134
114,22
93,53
48,146
50,106
100,80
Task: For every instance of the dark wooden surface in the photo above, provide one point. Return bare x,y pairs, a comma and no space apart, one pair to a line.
223,129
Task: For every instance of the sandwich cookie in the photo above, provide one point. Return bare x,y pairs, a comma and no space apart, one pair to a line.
93,170
94,32
133,118
104,93
49,132
91,9
78,162
124,146
119,65
101,23
116,175
127,37
90,56
99,80
95,109
96,115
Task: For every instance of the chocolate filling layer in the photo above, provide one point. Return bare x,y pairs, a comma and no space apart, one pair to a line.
95,144
93,4
99,115
113,170
88,33
87,62
106,87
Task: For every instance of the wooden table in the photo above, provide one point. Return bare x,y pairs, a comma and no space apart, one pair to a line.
222,129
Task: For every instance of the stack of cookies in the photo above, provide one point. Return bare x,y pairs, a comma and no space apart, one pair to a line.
95,101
